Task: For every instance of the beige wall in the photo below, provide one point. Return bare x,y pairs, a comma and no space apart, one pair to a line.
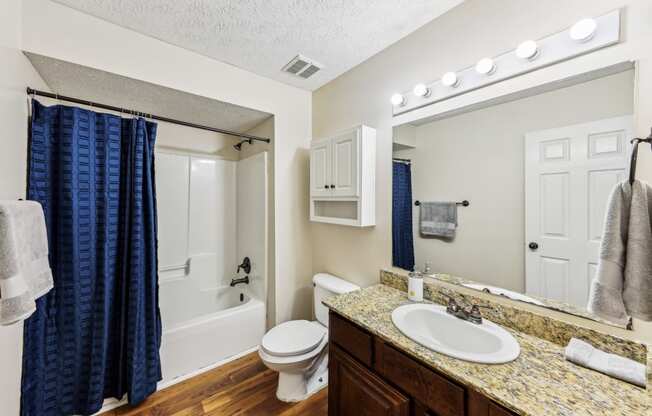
455,40
16,73
479,156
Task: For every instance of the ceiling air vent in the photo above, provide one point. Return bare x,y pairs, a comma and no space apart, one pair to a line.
302,67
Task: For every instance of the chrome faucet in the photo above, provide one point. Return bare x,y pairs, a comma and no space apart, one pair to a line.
466,312
236,281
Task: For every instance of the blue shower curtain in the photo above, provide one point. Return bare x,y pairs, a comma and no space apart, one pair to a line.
402,242
97,333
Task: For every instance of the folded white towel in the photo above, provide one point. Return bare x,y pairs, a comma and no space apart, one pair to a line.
586,355
25,273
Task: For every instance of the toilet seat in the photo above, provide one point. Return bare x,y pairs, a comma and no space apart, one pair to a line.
293,360
293,338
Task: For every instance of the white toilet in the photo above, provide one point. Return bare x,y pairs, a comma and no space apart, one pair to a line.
298,349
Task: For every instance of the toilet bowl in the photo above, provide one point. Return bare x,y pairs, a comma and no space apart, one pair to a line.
298,349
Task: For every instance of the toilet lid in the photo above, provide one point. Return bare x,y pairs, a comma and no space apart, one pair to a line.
293,338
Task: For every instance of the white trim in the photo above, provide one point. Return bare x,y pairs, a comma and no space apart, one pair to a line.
110,404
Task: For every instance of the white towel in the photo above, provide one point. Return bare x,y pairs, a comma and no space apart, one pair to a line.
622,286
586,355
25,273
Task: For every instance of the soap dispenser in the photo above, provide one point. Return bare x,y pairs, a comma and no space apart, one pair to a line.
415,286
427,268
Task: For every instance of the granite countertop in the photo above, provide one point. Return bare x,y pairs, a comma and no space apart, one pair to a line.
539,382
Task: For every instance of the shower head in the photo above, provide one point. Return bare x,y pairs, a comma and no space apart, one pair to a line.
238,146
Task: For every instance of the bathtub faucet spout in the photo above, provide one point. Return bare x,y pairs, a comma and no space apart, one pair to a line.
235,281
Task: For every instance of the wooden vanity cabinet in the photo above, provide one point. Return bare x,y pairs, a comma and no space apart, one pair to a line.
359,391
367,376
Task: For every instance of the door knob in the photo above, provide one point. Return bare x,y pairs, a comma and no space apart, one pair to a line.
533,245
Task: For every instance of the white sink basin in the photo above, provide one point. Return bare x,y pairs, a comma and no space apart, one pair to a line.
432,327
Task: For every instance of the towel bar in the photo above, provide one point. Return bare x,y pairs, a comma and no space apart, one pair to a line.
632,162
464,203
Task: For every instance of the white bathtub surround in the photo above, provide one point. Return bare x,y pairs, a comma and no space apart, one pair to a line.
208,339
298,349
252,228
212,213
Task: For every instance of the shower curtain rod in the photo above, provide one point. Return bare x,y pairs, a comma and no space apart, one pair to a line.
31,91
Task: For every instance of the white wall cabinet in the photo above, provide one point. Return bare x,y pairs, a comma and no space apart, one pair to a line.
342,178
320,168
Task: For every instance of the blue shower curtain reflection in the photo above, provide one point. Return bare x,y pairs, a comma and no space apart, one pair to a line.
402,240
97,333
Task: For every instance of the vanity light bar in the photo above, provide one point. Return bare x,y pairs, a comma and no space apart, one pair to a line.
485,66
583,30
397,100
587,35
528,50
420,90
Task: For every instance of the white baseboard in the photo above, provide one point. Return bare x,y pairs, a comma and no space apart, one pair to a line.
110,404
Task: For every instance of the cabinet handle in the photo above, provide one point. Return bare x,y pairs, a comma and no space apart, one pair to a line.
325,186
332,186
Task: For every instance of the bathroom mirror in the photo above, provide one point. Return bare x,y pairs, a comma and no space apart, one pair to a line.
510,198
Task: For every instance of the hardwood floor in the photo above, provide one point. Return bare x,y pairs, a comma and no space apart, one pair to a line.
241,387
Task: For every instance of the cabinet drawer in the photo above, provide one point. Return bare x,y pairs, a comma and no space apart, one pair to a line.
354,390
353,339
444,397
479,405
495,410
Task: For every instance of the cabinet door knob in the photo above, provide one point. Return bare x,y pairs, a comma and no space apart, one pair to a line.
332,186
533,246
325,186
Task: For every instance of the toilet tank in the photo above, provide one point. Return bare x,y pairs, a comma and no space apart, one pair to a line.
326,285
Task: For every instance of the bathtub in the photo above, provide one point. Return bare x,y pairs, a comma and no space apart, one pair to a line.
201,332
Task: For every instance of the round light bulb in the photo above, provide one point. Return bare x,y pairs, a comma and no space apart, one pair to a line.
528,50
485,66
420,90
398,99
584,30
449,79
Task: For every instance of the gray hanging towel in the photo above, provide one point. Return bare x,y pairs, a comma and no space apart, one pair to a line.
622,286
438,219
25,273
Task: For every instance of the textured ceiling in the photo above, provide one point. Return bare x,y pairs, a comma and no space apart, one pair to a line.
86,83
261,36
